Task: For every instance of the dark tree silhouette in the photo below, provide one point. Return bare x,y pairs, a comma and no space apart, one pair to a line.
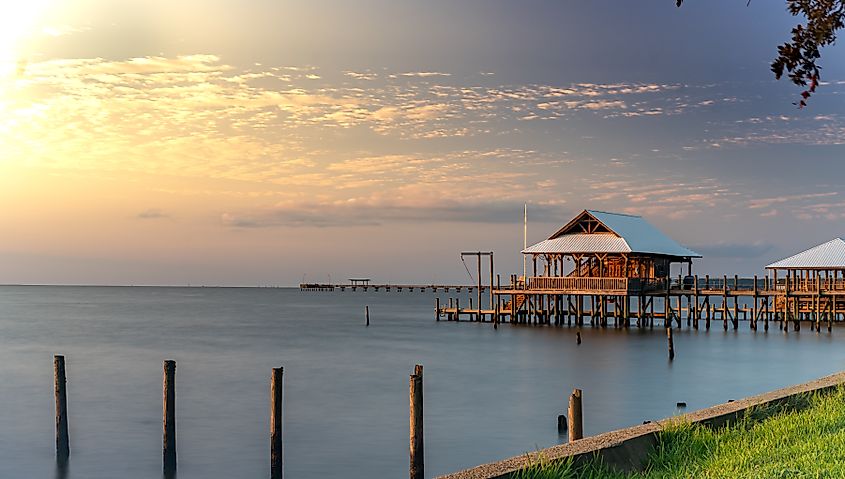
798,57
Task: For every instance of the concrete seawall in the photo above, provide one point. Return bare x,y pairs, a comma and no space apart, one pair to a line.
628,449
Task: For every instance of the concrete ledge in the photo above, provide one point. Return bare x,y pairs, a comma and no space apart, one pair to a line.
628,449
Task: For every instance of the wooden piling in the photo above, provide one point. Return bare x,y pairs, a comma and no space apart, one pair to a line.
437,308
276,442
736,304
367,314
671,343
60,382
577,337
561,423
416,424
169,418
576,420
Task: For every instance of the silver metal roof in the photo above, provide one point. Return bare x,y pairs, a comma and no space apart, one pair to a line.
630,234
830,255
581,243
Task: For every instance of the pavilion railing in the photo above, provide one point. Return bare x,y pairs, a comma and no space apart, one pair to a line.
577,284
813,284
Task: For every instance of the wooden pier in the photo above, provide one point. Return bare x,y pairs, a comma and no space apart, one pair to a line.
613,270
392,287
698,302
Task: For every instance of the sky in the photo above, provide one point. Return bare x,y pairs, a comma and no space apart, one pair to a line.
269,142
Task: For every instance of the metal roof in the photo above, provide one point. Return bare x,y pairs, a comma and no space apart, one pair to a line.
629,234
581,243
830,255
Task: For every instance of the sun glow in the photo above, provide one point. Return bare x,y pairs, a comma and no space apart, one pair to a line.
18,19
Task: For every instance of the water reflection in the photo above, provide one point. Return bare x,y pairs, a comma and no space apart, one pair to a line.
62,468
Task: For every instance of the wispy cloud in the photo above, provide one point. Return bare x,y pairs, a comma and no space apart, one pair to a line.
152,213
378,210
733,250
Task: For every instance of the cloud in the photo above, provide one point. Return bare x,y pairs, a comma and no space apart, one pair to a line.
361,75
355,212
63,30
152,213
425,74
734,250
758,203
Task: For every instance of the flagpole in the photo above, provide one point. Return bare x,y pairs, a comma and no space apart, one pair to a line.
524,245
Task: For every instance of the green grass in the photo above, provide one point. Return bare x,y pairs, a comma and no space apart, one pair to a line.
802,439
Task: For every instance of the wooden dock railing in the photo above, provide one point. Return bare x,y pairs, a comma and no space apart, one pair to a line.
577,284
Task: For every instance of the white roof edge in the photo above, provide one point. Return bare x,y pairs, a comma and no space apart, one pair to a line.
827,255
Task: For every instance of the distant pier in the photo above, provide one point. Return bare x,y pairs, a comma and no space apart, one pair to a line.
447,288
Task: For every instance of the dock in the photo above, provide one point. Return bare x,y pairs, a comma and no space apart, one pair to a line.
613,269
390,287
671,302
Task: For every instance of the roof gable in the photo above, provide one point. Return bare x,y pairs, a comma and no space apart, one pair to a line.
585,223
829,255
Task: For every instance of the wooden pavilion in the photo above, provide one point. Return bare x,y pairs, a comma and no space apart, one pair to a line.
605,253
812,281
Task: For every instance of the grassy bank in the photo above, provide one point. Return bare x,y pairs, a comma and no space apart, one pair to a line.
803,439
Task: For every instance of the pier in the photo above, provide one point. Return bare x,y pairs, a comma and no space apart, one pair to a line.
612,270
386,287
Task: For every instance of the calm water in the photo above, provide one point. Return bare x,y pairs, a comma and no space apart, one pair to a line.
489,394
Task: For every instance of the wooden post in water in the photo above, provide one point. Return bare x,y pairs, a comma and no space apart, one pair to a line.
367,314
671,343
457,309
276,444
492,275
60,382
478,316
696,312
754,308
437,308
169,418
416,422
576,419
736,302
496,312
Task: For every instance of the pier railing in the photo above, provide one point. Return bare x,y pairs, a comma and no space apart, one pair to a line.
577,284
607,284
760,284
817,284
